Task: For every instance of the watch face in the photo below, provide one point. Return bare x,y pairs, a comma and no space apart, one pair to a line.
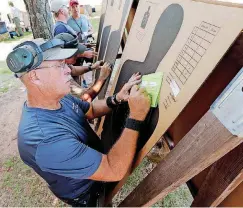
114,98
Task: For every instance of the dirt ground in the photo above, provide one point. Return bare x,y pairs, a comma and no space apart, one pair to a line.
10,112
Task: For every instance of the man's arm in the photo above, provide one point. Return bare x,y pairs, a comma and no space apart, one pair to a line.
93,91
117,162
79,70
88,54
99,108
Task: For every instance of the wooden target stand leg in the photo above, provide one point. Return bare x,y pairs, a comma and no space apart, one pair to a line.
224,176
205,143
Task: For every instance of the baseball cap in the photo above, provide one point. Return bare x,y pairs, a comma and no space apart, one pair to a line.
56,5
72,2
51,54
71,42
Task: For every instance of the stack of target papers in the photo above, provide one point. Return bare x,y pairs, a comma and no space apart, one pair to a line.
152,83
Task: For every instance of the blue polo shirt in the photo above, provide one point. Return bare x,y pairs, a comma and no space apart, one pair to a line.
55,144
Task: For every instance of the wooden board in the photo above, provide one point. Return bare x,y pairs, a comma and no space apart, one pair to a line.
224,176
208,141
211,31
101,24
235,199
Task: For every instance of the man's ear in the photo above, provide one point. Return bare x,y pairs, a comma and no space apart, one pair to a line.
62,11
33,77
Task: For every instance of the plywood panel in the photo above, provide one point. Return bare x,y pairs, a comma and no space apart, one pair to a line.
186,49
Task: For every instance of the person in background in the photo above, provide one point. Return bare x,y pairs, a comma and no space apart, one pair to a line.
60,10
15,18
90,93
79,22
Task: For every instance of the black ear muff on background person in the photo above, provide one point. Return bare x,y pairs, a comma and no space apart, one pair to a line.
71,42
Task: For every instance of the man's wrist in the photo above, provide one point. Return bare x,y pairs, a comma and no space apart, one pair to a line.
119,98
137,117
134,124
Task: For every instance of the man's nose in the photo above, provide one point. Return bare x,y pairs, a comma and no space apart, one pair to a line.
67,69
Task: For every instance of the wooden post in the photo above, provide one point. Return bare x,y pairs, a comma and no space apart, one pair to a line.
224,176
205,143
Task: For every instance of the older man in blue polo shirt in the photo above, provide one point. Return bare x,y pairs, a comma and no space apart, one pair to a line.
54,137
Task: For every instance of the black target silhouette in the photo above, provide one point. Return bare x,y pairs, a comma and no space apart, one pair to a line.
164,35
113,46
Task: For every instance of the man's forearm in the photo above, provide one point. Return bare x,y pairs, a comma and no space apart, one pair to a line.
100,108
122,153
79,70
93,91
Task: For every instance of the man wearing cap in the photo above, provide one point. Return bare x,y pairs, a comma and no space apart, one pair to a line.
78,22
60,10
54,137
90,93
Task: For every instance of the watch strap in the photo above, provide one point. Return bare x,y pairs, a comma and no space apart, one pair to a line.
134,124
109,102
89,68
116,101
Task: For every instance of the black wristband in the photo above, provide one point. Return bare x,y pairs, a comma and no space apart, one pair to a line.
109,102
115,100
134,124
89,68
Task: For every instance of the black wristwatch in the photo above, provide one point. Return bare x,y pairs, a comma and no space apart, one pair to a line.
118,102
109,102
134,124
112,102
90,68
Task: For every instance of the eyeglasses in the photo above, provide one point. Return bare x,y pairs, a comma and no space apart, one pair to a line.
62,66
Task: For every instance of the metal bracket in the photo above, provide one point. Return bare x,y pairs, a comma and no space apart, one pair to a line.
228,107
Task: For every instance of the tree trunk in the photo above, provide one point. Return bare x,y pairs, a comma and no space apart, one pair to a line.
40,18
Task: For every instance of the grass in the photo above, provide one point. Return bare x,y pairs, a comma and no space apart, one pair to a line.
9,40
20,186
4,89
4,70
95,23
6,78
181,197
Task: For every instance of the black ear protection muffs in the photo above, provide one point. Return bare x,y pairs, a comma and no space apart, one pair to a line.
21,59
71,44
